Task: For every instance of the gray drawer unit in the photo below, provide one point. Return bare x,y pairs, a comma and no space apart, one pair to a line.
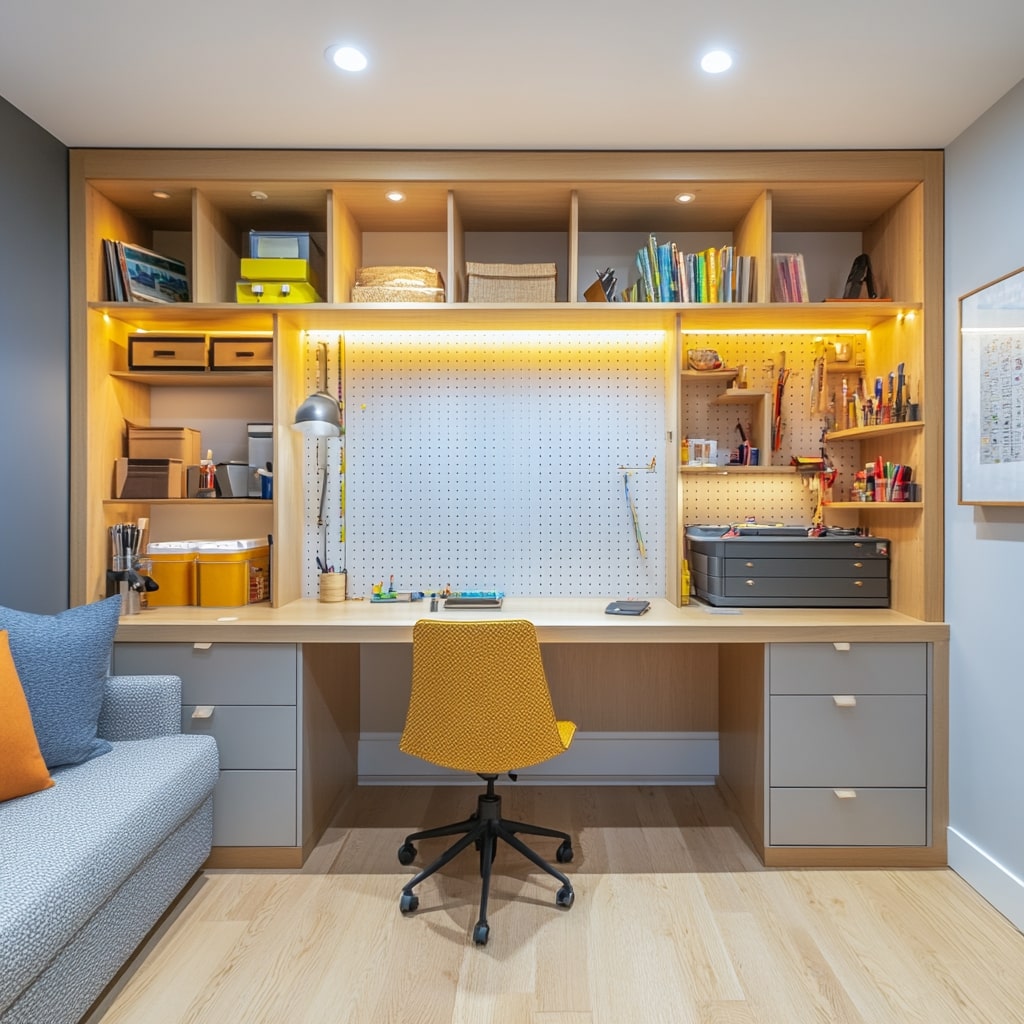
859,817
787,571
875,741
248,736
255,808
848,668
219,673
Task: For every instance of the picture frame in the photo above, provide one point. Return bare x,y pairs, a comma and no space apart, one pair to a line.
991,399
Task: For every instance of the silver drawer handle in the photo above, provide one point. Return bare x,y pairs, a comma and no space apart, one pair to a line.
845,700
203,711
858,565
748,565
750,583
201,647
845,794
858,583
841,646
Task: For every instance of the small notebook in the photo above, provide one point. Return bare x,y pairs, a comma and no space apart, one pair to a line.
472,602
627,607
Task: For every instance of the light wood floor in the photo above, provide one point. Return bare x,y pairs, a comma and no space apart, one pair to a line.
675,920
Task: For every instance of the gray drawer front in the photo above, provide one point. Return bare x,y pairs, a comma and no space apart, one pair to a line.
255,808
219,674
875,817
248,736
864,668
822,587
807,568
882,741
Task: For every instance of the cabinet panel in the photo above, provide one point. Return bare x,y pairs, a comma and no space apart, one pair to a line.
864,668
255,808
220,673
247,736
880,741
873,817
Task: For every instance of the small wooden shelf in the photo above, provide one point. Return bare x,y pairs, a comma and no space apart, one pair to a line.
740,396
205,502
723,374
199,378
868,506
880,430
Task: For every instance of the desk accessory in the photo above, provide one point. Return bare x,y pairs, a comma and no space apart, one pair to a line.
628,607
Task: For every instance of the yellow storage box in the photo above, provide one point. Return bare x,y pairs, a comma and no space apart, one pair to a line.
276,292
174,570
231,573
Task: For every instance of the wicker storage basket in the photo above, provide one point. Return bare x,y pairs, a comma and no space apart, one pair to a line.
511,282
398,284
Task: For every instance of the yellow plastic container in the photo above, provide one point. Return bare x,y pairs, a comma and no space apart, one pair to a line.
174,569
231,573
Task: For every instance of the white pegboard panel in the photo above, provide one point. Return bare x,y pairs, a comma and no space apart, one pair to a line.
489,460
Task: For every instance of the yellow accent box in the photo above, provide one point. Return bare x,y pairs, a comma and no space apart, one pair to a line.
231,573
276,291
277,269
174,569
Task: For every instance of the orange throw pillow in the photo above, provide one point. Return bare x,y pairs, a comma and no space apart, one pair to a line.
22,769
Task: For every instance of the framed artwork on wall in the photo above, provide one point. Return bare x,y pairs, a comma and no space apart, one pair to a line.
991,377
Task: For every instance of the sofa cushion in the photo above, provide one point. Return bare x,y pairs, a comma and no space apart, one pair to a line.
24,770
62,661
66,850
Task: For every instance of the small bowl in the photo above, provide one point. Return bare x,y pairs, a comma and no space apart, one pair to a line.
704,359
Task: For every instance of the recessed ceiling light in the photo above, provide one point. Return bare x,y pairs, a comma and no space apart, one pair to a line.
716,62
685,197
348,58
258,195
160,194
395,196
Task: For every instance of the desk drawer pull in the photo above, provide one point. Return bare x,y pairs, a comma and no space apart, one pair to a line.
844,700
751,583
201,646
203,711
845,794
841,646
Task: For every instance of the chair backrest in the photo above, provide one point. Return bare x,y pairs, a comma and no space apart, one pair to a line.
480,700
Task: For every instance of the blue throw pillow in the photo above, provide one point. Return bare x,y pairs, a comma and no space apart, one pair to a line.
63,661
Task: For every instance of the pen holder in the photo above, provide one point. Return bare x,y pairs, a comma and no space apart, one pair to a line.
333,587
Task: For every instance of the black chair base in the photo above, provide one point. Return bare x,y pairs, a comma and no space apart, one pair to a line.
484,829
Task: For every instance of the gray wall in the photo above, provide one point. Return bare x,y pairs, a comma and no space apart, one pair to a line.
33,366
985,546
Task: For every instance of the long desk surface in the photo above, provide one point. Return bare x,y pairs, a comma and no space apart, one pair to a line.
558,620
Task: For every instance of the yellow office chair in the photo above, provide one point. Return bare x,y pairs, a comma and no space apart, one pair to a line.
480,703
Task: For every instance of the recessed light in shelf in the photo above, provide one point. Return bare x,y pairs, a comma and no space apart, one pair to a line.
715,62
160,194
685,197
348,58
394,196
258,195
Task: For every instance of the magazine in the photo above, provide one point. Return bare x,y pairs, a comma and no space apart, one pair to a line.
147,276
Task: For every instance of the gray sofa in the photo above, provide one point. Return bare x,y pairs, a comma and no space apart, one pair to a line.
88,866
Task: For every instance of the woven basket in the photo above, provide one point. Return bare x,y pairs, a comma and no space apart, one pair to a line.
399,277
385,293
511,282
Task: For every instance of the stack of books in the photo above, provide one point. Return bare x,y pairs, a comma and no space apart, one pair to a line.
715,274
135,274
789,283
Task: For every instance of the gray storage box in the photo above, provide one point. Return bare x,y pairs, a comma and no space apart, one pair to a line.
782,571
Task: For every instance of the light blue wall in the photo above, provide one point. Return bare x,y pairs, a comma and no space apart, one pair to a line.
34,459
985,546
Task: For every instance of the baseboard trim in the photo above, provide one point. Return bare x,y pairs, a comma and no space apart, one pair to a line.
596,758
995,883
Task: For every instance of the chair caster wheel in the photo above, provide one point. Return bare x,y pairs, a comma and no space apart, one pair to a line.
564,853
406,853
408,902
564,897
481,933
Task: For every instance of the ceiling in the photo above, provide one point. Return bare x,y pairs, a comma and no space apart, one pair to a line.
534,74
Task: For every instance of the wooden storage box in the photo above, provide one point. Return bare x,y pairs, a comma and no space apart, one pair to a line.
511,282
231,573
166,352
181,443
241,353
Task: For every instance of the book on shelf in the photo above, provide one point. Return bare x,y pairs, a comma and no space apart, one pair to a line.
136,274
667,274
789,280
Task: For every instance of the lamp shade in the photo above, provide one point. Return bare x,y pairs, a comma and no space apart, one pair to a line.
320,414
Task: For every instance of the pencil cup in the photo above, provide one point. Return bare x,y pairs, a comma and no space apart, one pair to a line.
333,586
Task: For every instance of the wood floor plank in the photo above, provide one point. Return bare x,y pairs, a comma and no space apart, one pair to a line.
675,920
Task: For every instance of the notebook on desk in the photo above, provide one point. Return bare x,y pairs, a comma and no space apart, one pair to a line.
627,607
472,602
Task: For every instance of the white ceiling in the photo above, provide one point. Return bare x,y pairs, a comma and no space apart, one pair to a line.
530,74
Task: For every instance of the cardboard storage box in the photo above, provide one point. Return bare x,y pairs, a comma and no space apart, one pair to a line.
511,282
241,353
147,479
181,443
174,570
231,573
167,352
